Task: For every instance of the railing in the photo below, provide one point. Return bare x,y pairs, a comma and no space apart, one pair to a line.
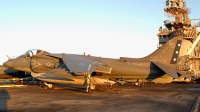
163,39
189,33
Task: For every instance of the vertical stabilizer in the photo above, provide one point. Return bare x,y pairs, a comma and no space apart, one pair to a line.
168,53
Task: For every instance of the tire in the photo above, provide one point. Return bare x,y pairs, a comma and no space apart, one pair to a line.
50,86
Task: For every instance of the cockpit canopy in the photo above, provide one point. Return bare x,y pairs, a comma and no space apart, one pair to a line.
32,52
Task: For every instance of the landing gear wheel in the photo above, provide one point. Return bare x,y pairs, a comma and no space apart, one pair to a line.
190,82
93,87
111,86
50,86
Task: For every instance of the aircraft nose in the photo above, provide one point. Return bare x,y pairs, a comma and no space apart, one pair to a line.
8,64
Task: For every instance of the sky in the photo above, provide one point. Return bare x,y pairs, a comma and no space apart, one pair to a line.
106,28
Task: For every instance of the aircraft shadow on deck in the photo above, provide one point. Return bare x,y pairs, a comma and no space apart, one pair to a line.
82,88
4,97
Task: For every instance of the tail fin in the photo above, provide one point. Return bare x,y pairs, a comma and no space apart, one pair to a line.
169,52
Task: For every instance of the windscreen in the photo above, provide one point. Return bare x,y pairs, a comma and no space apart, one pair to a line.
32,52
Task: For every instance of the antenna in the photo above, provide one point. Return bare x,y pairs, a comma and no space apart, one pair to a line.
8,56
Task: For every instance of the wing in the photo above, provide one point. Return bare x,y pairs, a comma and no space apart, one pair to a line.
83,64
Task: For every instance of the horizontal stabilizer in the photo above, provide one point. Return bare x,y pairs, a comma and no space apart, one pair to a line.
183,74
170,71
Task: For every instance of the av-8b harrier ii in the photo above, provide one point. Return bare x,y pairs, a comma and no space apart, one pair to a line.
162,66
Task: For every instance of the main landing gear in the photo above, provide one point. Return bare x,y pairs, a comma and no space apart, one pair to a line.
88,83
46,85
139,83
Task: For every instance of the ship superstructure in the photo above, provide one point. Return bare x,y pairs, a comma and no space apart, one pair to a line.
181,26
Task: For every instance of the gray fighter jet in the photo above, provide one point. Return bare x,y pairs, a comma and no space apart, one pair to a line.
161,66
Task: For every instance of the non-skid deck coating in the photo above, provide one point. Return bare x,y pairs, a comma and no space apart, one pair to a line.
151,98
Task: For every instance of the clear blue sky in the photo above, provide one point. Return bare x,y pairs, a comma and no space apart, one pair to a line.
106,28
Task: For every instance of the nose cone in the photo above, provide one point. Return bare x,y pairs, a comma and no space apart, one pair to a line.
18,64
8,64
